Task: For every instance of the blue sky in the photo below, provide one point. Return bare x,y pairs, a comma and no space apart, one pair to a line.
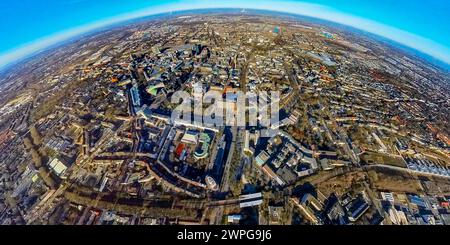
31,25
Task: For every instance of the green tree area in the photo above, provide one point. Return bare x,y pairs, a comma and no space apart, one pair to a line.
39,158
35,135
236,185
128,209
47,106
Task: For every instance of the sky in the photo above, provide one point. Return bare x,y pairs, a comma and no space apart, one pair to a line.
28,26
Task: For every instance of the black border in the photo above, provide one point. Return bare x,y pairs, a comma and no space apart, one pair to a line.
165,235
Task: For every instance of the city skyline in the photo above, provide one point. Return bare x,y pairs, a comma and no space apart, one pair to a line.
380,19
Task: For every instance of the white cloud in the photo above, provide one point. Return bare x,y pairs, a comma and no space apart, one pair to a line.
311,10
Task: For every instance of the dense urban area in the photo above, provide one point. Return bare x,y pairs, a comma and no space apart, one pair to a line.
86,135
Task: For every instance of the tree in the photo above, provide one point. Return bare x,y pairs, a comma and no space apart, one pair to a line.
36,158
27,143
46,176
37,140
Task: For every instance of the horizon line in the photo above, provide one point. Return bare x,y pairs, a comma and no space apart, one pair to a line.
418,43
